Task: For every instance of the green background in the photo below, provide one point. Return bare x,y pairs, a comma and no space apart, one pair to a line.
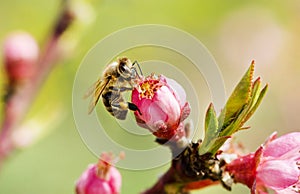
234,31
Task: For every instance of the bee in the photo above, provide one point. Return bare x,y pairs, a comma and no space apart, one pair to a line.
117,78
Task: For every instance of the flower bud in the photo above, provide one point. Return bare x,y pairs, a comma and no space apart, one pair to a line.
20,56
163,106
101,178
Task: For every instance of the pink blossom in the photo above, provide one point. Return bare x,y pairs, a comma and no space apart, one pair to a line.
101,178
163,106
20,55
275,165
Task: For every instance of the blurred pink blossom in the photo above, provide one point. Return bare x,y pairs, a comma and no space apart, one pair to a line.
20,56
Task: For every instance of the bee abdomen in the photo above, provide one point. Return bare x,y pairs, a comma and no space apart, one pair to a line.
119,113
115,111
106,98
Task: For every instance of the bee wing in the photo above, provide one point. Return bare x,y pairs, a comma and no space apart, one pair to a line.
97,89
91,90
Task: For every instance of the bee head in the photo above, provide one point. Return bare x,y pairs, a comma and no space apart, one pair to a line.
124,68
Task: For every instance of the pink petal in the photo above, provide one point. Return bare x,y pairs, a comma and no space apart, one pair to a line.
96,187
291,190
272,137
89,183
168,103
293,154
155,114
144,105
282,145
278,174
287,191
135,98
177,90
115,180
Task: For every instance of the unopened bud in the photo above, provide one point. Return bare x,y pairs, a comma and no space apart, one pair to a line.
20,56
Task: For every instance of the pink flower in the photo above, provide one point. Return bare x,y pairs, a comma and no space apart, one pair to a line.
163,106
101,178
275,165
20,55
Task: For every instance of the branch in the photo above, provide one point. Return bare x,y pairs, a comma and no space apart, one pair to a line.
159,186
189,171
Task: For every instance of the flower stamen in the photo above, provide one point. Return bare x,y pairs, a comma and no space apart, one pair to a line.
148,88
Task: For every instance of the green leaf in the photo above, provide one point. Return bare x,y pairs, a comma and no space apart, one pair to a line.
248,109
214,145
257,102
240,106
239,97
211,128
211,122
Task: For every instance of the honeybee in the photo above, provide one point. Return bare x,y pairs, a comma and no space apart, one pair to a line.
117,78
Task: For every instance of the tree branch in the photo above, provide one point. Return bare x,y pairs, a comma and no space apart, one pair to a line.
20,98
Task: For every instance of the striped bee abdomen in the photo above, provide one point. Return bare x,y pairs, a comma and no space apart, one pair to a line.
112,101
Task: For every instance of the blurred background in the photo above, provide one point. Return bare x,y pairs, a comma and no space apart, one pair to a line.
235,32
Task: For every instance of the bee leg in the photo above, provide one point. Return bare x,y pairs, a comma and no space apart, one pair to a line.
121,89
126,105
133,107
136,62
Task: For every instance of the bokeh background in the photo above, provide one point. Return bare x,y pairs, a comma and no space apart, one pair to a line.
235,32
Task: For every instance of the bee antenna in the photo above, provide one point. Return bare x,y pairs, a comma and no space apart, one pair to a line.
136,62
